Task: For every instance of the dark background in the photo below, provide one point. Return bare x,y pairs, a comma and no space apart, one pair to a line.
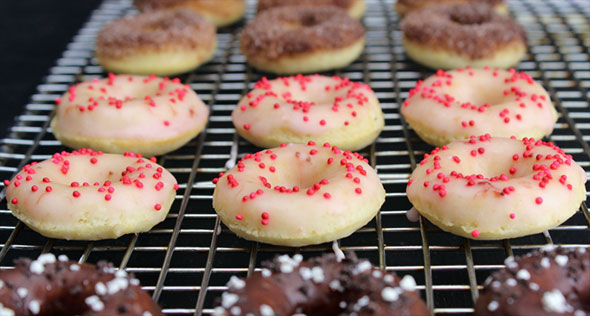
34,34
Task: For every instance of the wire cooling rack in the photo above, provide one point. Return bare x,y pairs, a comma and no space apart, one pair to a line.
186,260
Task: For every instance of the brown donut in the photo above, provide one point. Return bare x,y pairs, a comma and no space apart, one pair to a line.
552,281
220,12
355,8
302,39
50,286
460,35
404,7
321,286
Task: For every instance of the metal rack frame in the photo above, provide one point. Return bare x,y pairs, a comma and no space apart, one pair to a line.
186,260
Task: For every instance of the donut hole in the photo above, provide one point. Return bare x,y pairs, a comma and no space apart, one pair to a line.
480,93
471,15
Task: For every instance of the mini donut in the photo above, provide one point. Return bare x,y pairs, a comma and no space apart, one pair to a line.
298,195
552,281
302,39
455,36
404,7
321,286
454,105
300,108
163,43
493,188
87,195
147,115
56,286
354,8
220,12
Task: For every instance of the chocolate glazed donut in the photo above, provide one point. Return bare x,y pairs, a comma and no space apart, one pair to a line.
50,286
553,281
321,286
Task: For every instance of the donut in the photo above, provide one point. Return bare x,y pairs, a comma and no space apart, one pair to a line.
298,195
456,36
354,8
550,281
321,286
88,195
219,12
163,43
454,105
124,113
302,39
404,7
56,286
299,108
495,188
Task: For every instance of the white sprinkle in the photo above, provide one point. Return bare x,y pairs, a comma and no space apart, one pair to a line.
34,307
362,302
389,294
317,275
337,251
1,284
5,311
22,292
579,313
266,273
545,263
100,288
493,306
362,267
511,282
46,258
553,301
377,274
146,313
235,283
523,275
116,285
496,284
228,299
561,260
534,286
219,311
510,263
408,283
289,264
388,278
236,310
121,274
305,273
581,251
342,304
95,303
488,281
74,267
37,267
266,310
63,258
548,248
134,282
335,285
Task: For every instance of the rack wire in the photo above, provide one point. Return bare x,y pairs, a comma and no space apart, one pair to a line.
186,260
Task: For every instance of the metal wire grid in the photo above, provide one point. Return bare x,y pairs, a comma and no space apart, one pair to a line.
186,260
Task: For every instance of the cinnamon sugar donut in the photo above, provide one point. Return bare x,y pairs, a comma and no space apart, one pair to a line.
454,105
404,7
220,12
321,286
301,108
298,195
552,281
456,36
56,286
302,39
354,8
495,188
147,115
162,43
87,195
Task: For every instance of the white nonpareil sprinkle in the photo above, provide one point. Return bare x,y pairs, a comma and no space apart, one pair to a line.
377,274
579,313
34,307
510,263
496,284
100,288
37,267
389,294
305,273
228,299
362,267
534,286
511,282
235,283
5,311
408,283
1,284
22,292
317,275
266,310
561,260
388,278
74,267
94,303
493,306
121,274
553,301
63,258
523,275
116,285
147,314
342,304
362,302
545,263
134,282
266,273
548,248
236,310
288,264
336,286
218,311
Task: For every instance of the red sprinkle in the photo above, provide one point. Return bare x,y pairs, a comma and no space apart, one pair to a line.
76,194
14,201
158,207
539,200
475,233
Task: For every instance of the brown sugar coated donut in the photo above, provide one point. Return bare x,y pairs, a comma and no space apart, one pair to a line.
220,12
552,281
461,35
321,286
355,8
404,7
56,286
302,39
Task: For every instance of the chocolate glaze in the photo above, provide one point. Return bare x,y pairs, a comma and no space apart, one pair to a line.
156,31
267,4
321,286
527,283
474,30
293,30
62,287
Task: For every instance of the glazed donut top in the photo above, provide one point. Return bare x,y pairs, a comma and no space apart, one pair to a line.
267,4
155,30
475,30
552,281
289,30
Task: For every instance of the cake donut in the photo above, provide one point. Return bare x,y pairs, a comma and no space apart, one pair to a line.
550,281
56,286
302,39
454,105
162,42
495,188
300,108
455,36
220,12
354,8
404,7
87,195
321,286
298,195
124,113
